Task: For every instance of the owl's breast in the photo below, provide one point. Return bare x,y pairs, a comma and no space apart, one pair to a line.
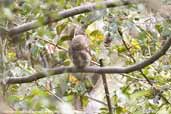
81,58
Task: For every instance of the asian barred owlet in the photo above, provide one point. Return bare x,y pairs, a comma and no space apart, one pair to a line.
79,51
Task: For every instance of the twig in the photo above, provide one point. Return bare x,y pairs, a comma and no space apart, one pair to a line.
106,88
129,76
130,55
101,102
58,98
59,47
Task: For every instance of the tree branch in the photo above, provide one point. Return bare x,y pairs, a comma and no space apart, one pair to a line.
65,14
106,89
90,69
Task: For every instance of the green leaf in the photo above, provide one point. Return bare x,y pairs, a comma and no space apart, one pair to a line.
38,92
15,98
141,93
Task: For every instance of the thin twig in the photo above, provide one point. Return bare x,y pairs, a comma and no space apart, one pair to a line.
101,102
58,98
106,88
59,47
131,56
132,77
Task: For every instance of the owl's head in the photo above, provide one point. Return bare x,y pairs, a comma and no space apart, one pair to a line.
80,42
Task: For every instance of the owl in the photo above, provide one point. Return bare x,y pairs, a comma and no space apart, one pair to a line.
79,51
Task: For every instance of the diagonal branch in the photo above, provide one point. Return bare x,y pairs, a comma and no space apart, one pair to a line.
90,69
65,14
141,71
132,57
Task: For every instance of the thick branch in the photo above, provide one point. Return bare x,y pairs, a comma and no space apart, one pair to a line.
65,14
90,69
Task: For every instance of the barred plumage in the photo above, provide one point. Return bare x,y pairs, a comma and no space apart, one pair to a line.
79,51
